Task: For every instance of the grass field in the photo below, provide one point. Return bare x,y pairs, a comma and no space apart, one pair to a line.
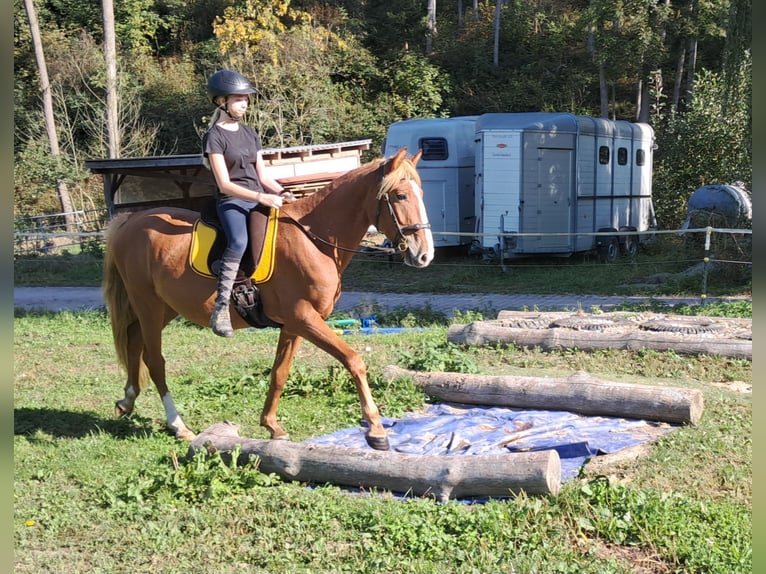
94,494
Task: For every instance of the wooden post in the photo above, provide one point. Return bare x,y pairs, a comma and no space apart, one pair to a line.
440,476
579,393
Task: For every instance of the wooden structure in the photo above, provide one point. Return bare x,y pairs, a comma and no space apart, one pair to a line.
440,476
132,184
579,393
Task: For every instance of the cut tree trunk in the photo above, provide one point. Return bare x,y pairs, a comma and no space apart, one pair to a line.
580,393
632,338
440,476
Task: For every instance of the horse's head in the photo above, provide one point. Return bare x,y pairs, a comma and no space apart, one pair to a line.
401,197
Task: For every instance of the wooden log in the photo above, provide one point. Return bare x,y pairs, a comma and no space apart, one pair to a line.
494,332
579,393
440,476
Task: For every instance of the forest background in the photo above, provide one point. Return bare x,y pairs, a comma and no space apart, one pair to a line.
342,70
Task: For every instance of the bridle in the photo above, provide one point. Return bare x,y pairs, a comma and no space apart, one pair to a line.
401,231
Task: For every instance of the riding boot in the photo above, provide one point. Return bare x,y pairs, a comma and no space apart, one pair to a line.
220,320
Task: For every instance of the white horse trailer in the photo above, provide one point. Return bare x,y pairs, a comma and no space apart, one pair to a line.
446,171
557,183
516,184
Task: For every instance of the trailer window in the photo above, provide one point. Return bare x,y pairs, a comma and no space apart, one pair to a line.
640,157
603,155
622,155
434,149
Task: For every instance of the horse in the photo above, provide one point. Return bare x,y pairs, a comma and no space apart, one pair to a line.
148,280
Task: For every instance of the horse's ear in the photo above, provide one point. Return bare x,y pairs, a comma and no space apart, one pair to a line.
396,160
416,158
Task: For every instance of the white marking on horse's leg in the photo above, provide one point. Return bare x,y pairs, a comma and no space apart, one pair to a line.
173,419
126,405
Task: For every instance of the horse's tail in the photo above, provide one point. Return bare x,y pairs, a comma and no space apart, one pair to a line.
117,303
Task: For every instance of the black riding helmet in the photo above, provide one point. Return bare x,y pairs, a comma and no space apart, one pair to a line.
227,82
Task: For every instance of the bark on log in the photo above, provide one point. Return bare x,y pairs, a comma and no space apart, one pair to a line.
489,333
440,476
580,393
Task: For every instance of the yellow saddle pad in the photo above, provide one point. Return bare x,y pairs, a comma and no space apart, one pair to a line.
204,236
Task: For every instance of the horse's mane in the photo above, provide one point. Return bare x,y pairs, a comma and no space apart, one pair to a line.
405,170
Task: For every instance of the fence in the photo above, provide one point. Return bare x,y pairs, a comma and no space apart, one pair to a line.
50,233
703,248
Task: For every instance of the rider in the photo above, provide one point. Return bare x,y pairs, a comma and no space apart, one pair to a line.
233,151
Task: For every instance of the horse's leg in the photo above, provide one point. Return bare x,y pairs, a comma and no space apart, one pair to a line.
286,349
134,367
315,329
152,323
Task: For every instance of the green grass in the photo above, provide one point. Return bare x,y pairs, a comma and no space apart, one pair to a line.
659,269
99,495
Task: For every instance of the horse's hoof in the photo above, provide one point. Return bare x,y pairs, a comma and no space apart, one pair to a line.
120,412
279,435
186,434
378,442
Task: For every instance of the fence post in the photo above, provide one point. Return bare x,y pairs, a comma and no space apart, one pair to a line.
706,261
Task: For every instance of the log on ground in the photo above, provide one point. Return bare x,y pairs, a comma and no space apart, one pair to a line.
579,393
439,476
493,332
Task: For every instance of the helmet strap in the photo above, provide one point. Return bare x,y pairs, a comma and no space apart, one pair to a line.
225,108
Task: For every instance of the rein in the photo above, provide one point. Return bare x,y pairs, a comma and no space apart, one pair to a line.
314,237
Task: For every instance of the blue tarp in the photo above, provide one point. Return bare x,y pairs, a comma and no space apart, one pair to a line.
455,429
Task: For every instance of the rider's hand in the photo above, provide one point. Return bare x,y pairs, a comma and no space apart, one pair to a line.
287,196
270,200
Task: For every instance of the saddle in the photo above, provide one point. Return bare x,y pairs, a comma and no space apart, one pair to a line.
257,265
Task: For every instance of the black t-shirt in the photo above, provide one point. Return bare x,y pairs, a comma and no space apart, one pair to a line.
240,150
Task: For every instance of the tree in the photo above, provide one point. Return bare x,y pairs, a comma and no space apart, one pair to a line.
703,145
50,123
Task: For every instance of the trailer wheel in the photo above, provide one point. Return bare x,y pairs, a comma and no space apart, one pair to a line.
608,249
629,244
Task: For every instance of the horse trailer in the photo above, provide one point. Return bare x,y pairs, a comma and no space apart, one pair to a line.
446,170
541,183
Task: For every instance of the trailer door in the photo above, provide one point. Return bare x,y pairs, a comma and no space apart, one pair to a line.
547,202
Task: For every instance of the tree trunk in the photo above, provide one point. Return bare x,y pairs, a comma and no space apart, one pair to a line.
440,476
644,99
50,122
496,33
431,26
603,89
680,60
110,57
691,71
580,393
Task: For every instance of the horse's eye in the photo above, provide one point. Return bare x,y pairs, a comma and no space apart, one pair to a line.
401,196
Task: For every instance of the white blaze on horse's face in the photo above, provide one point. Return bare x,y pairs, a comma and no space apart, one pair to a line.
425,253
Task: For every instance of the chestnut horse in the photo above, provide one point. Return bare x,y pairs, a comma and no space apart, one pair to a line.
148,280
